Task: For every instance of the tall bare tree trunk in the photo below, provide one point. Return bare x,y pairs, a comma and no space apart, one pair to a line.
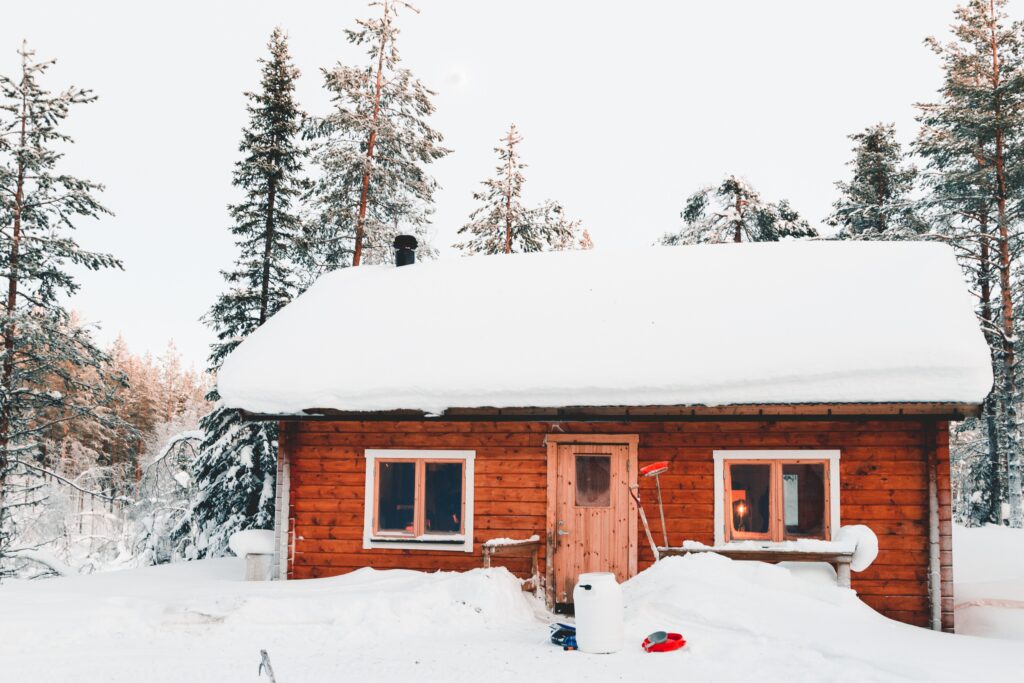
268,245
10,306
991,424
882,194
357,254
10,329
1008,458
508,196
738,237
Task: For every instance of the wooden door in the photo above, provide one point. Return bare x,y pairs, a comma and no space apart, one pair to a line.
592,514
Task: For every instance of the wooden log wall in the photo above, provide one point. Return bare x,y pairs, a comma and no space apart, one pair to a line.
884,484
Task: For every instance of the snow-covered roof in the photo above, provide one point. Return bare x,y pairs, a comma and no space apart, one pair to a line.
794,322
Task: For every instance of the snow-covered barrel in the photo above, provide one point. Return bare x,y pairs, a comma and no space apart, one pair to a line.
599,613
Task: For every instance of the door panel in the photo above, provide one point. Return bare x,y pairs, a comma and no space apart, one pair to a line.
592,513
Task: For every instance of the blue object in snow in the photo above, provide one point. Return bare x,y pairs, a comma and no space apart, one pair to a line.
564,635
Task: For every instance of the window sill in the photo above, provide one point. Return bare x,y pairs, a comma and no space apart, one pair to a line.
449,543
799,545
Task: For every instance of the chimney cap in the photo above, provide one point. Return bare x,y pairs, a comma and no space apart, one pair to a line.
406,242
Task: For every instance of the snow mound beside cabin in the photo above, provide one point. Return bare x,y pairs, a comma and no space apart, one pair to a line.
989,581
764,601
370,603
755,621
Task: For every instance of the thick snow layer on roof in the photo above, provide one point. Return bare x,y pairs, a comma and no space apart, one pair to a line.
795,322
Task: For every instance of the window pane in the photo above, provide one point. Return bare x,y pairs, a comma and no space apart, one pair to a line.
803,493
750,497
593,481
396,496
443,504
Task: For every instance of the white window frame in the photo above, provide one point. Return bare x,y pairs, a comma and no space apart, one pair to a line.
832,456
423,542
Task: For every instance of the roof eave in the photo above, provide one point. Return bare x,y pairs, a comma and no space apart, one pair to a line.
796,411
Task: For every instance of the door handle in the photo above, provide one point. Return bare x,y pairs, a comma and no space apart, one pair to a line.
562,533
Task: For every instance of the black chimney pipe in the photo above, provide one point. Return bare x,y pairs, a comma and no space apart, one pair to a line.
405,250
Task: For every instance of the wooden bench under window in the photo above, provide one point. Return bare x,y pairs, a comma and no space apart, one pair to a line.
839,559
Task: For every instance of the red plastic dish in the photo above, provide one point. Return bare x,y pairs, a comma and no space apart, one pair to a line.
673,641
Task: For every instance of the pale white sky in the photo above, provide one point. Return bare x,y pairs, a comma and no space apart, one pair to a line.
626,108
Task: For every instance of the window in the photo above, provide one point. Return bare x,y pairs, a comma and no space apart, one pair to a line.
593,481
776,495
419,499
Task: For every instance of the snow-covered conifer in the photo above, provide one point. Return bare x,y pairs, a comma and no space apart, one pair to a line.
972,139
735,212
503,224
876,202
52,371
372,152
234,472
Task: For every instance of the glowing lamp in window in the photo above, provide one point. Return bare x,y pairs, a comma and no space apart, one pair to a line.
740,511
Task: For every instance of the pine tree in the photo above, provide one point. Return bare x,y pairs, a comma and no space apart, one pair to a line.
138,411
735,212
234,472
876,203
45,353
372,151
972,138
503,224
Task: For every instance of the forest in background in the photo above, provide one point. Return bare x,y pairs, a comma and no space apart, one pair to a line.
109,459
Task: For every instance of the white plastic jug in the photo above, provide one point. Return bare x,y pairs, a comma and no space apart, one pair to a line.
599,614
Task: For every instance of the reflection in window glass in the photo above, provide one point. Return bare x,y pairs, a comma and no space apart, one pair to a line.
791,499
803,491
750,497
593,480
396,496
443,504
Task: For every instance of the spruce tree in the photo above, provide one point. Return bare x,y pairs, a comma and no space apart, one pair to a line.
234,473
735,212
503,224
973,139
52,372
876,202
372,151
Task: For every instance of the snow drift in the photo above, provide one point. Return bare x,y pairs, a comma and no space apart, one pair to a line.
989,581
197,621
795,322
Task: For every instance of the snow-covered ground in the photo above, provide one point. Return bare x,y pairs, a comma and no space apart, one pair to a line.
988,572
198,622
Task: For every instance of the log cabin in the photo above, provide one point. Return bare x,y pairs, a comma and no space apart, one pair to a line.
434,413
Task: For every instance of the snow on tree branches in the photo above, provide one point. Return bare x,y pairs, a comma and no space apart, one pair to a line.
372,152
876,202
504,225
234,472
266,225
973,141
43,380
735,212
